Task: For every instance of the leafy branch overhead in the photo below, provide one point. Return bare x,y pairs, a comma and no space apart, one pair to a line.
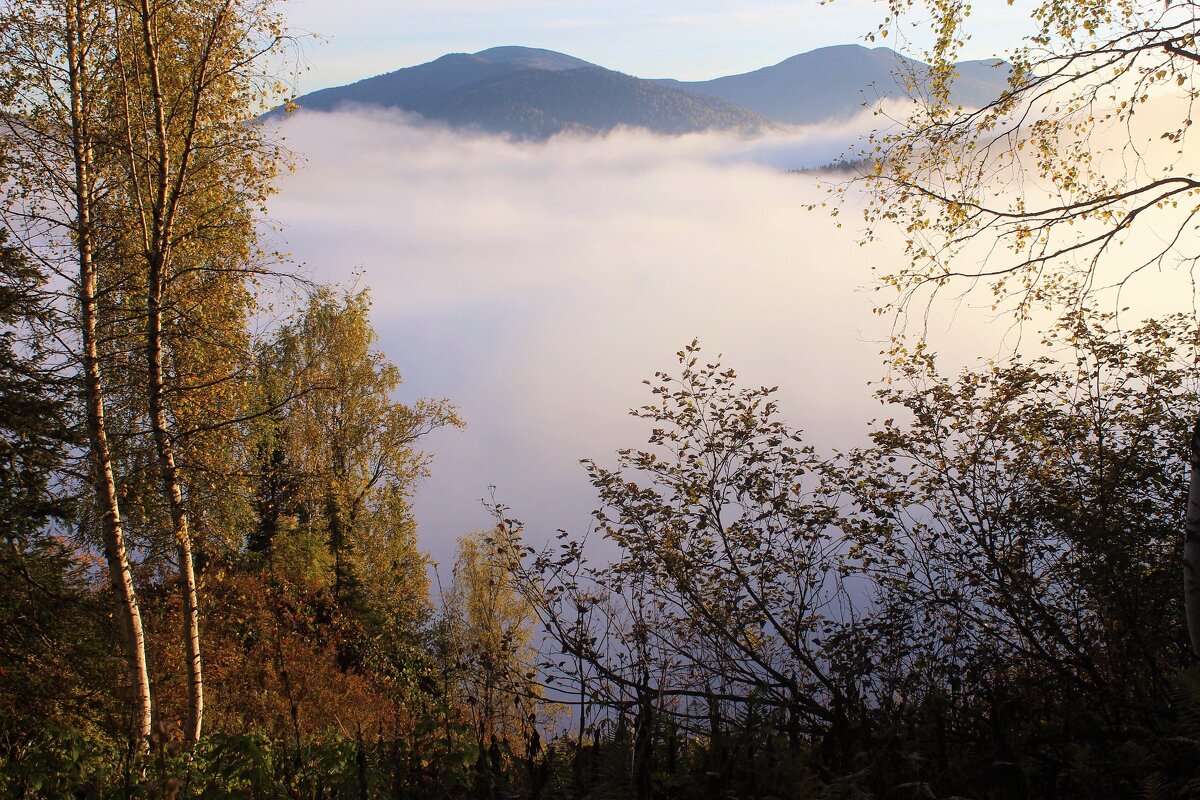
1076,180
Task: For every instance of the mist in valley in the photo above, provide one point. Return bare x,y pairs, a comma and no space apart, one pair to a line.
538,284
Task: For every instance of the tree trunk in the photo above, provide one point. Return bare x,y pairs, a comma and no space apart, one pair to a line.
104,481
166,188
1191,546
179,515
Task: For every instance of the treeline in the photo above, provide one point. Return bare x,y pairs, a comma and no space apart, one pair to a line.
985,602
210,578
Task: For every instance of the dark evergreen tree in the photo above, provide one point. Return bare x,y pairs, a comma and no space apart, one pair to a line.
48,659
33,406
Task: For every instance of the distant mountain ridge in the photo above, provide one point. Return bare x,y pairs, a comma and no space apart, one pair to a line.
541,103
835,82
532,93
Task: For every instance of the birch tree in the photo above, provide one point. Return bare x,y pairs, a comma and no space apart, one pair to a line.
491,628
1077,179
191,77
143,110
56,129
351,451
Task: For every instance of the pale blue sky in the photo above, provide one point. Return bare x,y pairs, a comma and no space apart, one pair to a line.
686,39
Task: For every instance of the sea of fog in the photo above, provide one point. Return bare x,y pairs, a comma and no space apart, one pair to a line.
538,284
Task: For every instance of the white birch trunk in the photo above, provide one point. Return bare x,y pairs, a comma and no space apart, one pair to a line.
115,550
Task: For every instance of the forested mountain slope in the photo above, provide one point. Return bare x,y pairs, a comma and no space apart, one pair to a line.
532,93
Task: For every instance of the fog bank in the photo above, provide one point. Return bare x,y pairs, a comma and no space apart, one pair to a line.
537,285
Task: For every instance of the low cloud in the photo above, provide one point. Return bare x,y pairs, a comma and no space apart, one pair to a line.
537,285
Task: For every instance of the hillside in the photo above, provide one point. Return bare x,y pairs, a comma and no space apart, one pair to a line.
531,93
835,82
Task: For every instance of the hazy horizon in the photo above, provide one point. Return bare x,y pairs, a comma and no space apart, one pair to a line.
687,41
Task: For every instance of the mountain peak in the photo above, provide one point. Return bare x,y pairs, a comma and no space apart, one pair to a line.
531,58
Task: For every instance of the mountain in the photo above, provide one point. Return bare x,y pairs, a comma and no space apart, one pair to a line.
980,82
533,93
835,82
412,86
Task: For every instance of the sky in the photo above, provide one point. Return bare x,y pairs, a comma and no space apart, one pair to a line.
684,39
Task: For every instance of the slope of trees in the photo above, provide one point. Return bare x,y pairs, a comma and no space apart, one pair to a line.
986,597
136,179
983,601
